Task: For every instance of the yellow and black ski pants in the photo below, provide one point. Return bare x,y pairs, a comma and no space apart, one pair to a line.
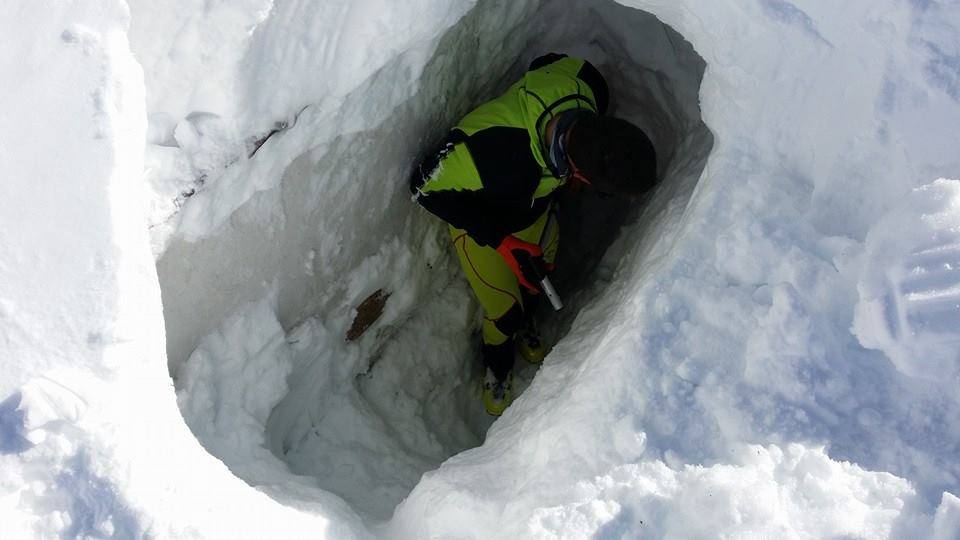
505,307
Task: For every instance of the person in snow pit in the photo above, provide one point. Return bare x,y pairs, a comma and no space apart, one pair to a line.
494,178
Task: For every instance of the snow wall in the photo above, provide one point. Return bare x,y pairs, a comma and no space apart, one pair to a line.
367,418
769,351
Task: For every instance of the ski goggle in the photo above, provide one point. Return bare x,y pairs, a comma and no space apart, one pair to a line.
557,156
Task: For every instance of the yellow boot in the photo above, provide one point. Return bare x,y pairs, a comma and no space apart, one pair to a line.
497,395
529,344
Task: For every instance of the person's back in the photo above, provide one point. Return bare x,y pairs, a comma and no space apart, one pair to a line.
494,179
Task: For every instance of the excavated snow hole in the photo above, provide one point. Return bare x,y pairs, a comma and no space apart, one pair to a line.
365,419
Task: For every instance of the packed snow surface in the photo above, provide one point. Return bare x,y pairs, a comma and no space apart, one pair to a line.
767,346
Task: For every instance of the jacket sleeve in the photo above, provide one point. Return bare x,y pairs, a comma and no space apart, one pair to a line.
581,69
447,185
591,75
487,222
545,60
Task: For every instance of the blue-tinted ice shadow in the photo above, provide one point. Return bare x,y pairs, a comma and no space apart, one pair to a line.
624,525
785,12
93,502
943,71
12,428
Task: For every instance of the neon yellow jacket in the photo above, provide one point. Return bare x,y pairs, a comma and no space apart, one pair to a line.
490,178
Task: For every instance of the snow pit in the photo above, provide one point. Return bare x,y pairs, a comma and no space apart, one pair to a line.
771,353
265,377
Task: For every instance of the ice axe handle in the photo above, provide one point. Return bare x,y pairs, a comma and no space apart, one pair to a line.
551,293
546,286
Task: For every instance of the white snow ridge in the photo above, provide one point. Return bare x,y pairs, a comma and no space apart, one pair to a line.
197,196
